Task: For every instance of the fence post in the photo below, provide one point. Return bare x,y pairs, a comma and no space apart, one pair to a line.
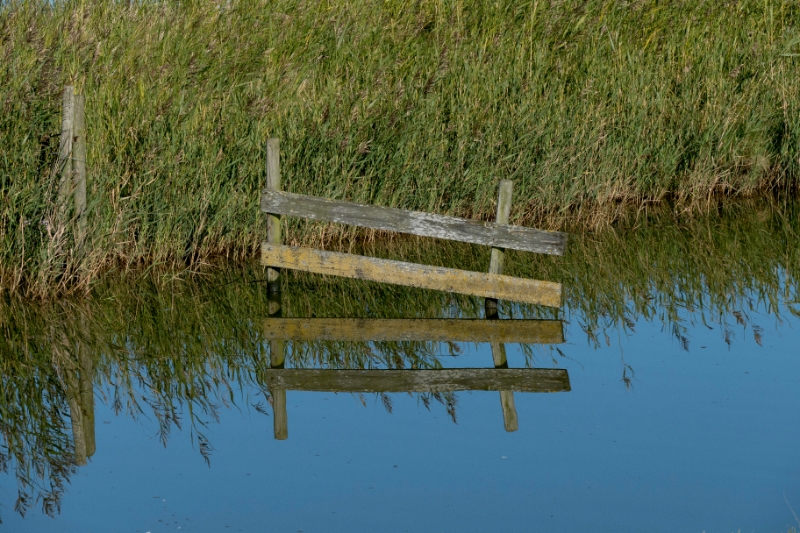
79,171
490,304
273,221
498,255
64,162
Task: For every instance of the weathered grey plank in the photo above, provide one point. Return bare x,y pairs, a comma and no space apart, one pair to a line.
451,379
401,329
414,222
422,276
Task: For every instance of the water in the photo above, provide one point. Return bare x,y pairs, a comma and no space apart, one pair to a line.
681,414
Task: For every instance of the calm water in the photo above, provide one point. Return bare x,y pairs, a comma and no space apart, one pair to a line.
682,412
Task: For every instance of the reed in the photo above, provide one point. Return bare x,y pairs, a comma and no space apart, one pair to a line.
590,106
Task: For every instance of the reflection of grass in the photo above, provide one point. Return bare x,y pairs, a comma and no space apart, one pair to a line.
588,105
168,347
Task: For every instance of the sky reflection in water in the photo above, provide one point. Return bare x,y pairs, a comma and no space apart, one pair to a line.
680,420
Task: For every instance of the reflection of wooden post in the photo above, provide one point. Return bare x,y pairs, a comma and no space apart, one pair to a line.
490,304
86,395
506,396
75,411
79,165
273,221
277,355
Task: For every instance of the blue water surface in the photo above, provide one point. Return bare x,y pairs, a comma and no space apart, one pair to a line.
704,439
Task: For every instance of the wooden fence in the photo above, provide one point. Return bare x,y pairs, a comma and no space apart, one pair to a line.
499,235
492,286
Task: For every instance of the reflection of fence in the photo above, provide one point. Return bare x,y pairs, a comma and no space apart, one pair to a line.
498,234
278,330
414,329
429,380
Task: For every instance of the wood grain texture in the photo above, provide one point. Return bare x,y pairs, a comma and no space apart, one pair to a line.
442,380
510,420
79,171
280,418
63,165
401,329
413,275
273,184
415,223
498,256
503,213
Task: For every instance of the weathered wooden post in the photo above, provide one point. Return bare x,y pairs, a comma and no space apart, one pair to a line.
497,260
277,348
79,171
490,304
273,220
64,163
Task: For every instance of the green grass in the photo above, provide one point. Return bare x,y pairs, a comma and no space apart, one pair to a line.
587,105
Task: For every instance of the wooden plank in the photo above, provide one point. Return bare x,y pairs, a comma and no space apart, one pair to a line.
273,220
440,380
415,223
401,329
413,275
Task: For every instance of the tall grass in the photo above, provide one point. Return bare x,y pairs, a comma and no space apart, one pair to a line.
587,104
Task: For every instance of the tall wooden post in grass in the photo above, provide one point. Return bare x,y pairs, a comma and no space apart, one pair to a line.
496,267
64,162
273,220
71,166
79,172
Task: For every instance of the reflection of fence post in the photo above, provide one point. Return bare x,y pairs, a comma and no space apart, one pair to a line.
506,396
273,221
74,399
490,304
86,390
277,355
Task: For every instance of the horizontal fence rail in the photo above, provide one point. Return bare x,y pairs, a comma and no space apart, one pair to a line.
415,329
414,223
421,276
438,380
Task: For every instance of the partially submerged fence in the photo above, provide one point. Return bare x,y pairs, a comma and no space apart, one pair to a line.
499,235
492,286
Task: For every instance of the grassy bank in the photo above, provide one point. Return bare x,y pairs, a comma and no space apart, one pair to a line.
590,106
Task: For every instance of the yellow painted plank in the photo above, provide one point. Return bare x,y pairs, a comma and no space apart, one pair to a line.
413,275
